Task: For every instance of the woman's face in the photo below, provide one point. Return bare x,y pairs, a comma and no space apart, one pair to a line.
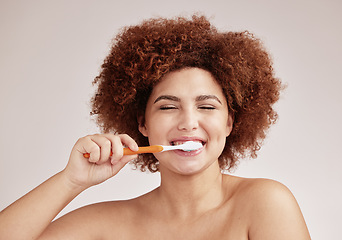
187,105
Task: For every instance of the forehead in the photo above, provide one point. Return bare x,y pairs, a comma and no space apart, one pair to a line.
188,82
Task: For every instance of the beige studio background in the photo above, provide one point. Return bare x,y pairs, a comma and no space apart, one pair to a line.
50,51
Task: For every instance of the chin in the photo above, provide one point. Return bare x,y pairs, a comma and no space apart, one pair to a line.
188,170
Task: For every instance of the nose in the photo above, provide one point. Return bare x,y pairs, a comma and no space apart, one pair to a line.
188,120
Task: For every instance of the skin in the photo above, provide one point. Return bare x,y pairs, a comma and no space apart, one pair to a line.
194,201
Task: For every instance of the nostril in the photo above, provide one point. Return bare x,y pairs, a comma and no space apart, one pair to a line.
188,123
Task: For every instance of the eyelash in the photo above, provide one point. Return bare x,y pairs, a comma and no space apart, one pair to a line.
207,107
167,107
174,107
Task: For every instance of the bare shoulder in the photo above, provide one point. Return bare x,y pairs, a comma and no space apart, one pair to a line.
265,190
273,211
95,221
258,188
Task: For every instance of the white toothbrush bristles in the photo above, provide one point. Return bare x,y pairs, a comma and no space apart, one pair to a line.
191,146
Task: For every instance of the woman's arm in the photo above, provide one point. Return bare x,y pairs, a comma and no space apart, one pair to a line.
275,213
28,217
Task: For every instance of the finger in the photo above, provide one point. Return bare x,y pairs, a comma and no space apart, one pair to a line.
118,142
87,145
117,148
128,158
124,159
129,142
118,165
109,144
105,146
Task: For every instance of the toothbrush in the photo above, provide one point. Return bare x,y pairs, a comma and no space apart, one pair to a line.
187,146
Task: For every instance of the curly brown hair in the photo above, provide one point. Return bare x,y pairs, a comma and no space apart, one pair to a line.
141,55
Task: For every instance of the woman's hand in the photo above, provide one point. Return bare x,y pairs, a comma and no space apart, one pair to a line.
101,165
50,197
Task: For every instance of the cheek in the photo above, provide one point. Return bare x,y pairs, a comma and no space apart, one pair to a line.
217,128
158,123
217,137
157,128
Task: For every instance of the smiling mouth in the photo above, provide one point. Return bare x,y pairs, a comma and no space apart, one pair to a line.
175,143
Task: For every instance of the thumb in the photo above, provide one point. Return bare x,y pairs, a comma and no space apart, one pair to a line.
118,165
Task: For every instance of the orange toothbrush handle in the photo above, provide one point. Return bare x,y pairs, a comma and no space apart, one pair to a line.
127,151
87,155
149,149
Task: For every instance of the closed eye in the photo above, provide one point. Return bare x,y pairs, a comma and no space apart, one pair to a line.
167,107
207,107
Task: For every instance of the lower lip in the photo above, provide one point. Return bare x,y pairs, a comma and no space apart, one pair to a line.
190,153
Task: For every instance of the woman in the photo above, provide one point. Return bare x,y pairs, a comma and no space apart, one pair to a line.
166,82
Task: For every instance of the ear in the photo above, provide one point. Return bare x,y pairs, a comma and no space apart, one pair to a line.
142,126
230,122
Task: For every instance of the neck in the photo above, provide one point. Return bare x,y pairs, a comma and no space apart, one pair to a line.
190,195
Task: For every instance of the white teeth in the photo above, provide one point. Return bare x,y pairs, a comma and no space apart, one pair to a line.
176,143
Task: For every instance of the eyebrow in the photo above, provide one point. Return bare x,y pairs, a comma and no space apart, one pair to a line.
167,97
198,98
206,97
